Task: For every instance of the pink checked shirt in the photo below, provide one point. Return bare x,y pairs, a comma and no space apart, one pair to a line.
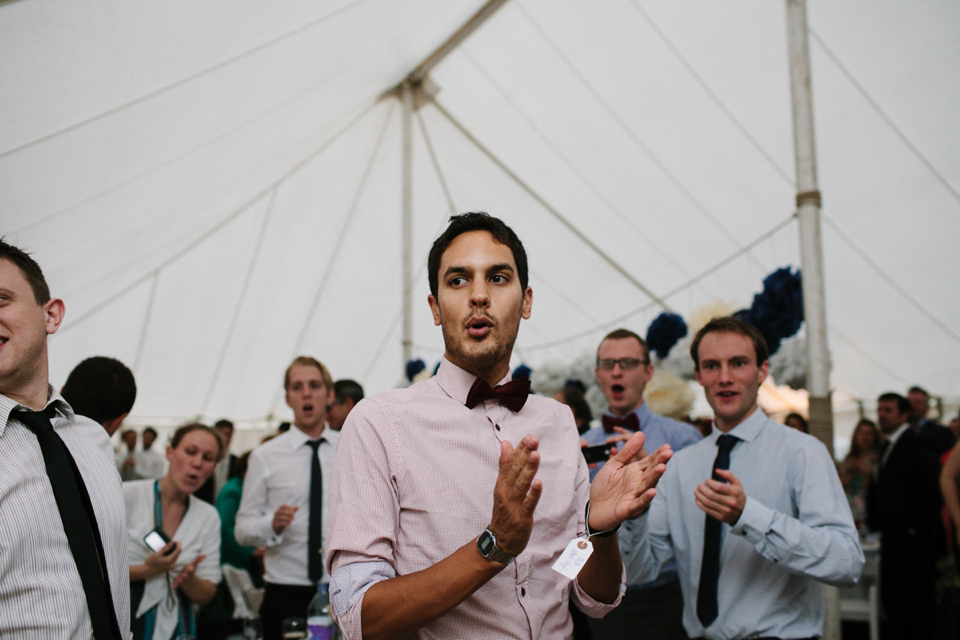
414,481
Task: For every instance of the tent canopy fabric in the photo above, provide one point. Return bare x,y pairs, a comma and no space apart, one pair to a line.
214,188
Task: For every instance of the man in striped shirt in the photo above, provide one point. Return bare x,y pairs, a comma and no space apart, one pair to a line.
42,591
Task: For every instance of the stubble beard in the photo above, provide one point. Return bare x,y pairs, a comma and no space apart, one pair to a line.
478,356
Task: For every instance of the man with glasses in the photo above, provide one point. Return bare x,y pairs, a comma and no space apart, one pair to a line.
649,609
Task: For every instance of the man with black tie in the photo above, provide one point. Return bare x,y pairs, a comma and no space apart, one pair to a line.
754,514
903,504
63,560
284,500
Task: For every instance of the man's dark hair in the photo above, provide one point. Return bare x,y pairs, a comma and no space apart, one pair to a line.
903,405
346,388
476,221
150,430
730,324
100,388
623,334
916,389
30,270
574,398
223,423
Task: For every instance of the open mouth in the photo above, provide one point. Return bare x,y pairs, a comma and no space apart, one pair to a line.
727,394
308,408
479,326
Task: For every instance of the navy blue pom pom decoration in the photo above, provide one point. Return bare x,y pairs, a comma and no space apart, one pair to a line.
414,367
522,371
664,332
777,311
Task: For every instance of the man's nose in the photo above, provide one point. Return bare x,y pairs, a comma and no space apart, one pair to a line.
479,294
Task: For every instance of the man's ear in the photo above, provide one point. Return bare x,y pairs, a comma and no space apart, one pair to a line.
434,309
527,307
113,424
53,311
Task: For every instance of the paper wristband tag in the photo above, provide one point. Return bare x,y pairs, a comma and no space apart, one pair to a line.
573,557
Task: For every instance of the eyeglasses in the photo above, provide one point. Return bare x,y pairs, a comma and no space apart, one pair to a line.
626,364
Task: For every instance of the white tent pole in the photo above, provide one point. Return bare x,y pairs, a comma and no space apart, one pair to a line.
808,214
406,98
811,255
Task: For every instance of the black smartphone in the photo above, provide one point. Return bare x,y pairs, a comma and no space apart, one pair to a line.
598,452
156,540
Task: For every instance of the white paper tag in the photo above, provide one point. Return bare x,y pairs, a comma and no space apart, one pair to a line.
573,557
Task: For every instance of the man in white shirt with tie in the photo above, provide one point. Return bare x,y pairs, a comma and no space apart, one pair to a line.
286,485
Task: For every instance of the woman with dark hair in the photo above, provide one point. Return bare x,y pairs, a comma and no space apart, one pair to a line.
857,467
798,422
173,539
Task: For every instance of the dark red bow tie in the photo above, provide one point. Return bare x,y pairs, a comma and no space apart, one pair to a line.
628,421
512,395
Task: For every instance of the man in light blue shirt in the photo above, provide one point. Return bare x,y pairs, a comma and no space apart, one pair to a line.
650,609
781,524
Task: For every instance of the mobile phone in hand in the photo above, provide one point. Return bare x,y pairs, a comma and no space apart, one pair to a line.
598,452
156,540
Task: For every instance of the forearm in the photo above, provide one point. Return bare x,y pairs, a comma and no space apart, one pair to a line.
399,606
829,551
198,590
600,576
140,572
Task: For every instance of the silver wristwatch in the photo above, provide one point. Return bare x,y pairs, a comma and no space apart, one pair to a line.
487,545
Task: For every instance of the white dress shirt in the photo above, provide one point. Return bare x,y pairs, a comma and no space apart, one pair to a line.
41,595
279,473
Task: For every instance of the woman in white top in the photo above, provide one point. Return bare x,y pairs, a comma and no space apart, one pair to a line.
166,580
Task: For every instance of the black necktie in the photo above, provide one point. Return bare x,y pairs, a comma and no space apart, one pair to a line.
512,395
629,421
315,535
710,568
78,519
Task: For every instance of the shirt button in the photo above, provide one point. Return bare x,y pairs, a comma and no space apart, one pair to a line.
523,591
497,427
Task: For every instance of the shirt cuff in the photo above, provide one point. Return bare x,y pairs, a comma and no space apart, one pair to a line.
754,522
348,585
595,608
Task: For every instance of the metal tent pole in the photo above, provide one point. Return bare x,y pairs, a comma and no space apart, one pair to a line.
406,270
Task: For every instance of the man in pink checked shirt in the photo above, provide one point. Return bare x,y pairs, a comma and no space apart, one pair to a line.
452,499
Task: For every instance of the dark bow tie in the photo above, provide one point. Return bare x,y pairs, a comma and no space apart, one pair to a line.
628,421
512,395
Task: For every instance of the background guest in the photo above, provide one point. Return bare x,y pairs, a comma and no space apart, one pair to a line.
164,583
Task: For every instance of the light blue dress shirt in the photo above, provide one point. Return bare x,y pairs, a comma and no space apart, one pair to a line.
795,531
659,430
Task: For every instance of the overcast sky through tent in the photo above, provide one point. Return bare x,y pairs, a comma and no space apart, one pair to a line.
214,188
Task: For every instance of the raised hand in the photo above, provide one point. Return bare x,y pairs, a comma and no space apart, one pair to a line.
516,494
186,572
626,484
283,517
722,500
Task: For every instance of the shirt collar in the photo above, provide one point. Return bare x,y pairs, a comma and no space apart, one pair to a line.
643,414
748,430
893,437
297,438
7,405
456,382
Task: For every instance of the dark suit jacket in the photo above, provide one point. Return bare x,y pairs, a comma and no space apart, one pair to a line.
903,503
935,436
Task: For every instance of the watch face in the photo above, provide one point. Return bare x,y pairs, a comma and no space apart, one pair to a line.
486,543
